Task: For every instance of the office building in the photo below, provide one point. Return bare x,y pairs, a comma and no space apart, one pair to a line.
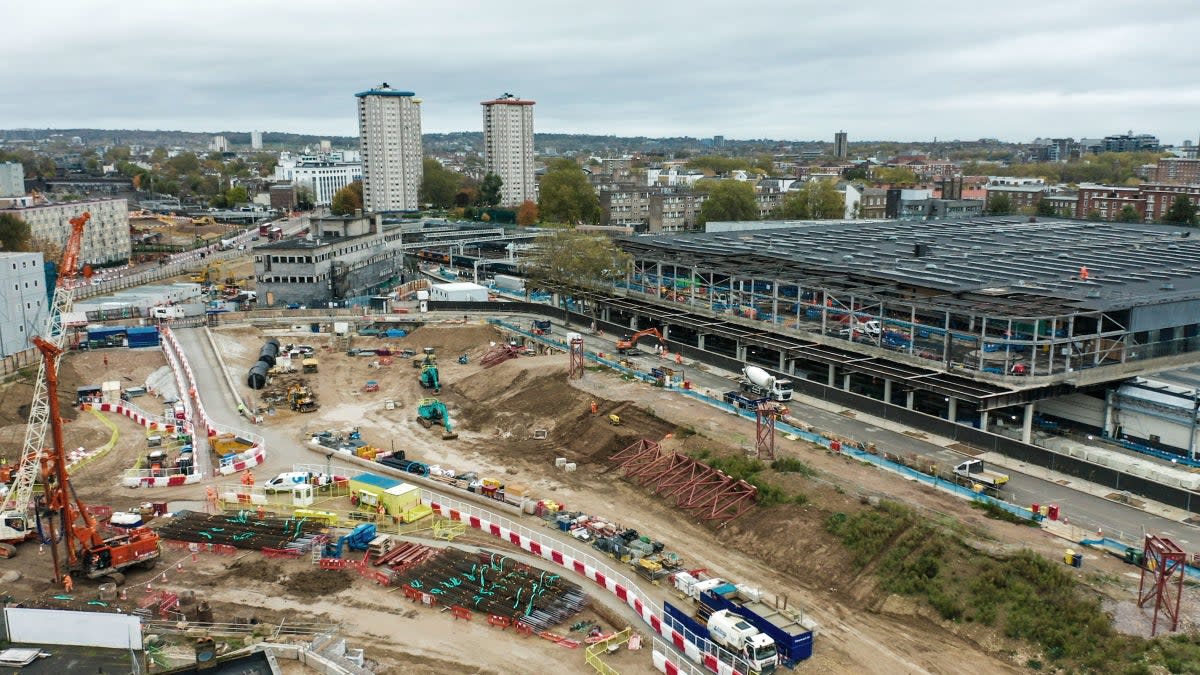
389,136
1130,142
841,148
24,304
323,174
12,179
256,140
105,239
508,147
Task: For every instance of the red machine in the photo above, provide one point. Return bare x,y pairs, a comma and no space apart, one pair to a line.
628,344
83,549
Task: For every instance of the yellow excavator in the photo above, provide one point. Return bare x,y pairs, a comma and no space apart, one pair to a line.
209,275
203,220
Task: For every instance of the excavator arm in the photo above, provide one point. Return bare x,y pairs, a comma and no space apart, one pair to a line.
631,341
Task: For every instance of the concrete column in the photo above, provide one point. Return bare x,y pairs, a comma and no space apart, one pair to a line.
983,420
1109,418
633,323
666,332
846,382
887,390
782,362
1027,424
741,352
700,341
952,410
910,399
832,382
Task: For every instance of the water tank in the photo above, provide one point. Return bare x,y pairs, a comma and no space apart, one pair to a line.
257,377
269,351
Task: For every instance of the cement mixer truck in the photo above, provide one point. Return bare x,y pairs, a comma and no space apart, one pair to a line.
761,384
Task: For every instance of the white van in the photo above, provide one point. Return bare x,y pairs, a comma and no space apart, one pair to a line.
286,482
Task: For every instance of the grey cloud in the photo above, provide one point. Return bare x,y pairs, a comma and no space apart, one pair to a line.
779,69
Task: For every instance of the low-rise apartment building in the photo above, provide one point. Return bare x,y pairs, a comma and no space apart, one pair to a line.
105,238
24,303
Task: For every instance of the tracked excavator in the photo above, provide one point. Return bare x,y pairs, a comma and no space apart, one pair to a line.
431,411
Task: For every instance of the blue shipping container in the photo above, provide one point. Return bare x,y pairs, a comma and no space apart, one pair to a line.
146,336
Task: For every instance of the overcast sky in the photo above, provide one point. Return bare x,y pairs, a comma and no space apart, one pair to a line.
879,69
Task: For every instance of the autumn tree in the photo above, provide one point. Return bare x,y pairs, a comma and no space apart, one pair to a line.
1181,212
816,199
727,200
569,261
15,234
489,190
566,196
347,200
528,213
895,175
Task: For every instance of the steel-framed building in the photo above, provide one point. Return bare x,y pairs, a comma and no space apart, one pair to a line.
956,319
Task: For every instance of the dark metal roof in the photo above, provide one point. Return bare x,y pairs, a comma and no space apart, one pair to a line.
1006,265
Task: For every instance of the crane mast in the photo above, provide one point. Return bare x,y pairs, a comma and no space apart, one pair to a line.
18,501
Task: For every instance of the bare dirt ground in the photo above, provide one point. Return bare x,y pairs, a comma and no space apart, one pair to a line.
496,411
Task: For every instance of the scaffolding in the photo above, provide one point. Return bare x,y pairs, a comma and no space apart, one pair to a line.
1164,564
690,484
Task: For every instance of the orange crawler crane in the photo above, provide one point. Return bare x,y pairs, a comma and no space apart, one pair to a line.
84,550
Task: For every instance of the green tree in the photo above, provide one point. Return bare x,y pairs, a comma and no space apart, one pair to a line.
15,234
439,184
999,204
816,199
489,190
569,261
727,200
1045,208
183,163
236,195
1181,212
347,200
528,213
857,173
304,198
1094,215
895,175
1128,214
566,196
718,164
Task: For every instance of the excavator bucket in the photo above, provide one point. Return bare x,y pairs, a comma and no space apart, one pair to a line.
449,435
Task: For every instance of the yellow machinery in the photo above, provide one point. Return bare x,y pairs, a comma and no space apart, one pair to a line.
211,274
614,419
203,220
310,365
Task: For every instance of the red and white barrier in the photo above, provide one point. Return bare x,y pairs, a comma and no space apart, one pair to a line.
697,648
186,380
152,422
145,478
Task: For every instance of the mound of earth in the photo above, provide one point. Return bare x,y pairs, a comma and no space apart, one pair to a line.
517,398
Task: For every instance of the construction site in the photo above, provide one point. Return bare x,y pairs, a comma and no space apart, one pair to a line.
440,493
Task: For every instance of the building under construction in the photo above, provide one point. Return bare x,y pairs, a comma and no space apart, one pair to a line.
958,320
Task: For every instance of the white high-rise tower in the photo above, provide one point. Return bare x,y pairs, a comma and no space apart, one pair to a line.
389,137
508,147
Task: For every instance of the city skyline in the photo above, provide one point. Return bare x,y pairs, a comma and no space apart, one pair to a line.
790,71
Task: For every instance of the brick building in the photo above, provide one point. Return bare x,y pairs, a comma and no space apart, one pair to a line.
1177,170
1159,197
1108,200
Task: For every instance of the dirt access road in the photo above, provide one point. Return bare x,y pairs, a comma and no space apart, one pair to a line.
496,411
